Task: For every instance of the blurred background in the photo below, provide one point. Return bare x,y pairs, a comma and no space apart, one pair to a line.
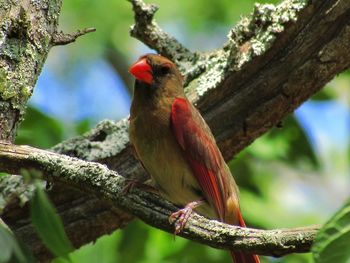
292,176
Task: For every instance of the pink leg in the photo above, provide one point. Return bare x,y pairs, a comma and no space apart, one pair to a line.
181,217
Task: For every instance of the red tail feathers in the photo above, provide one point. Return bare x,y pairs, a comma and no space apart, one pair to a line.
240,257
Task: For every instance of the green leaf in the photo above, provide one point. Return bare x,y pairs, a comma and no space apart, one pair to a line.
332,243
11,250
6,244
48,224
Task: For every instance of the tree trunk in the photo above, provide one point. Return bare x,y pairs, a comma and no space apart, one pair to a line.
26,30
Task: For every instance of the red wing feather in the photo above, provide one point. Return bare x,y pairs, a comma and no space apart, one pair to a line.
203,156
208,183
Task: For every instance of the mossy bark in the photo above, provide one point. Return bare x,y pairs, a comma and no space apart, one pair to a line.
26,30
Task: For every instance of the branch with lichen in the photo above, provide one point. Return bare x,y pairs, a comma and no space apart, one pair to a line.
109,186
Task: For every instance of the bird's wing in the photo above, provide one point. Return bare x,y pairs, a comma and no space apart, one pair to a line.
202,153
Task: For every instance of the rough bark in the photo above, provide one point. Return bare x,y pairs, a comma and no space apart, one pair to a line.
26,29
109,186
272,62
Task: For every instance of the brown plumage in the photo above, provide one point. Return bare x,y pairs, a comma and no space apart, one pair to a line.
177,148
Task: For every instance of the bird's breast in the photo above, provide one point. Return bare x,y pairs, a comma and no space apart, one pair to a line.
161,155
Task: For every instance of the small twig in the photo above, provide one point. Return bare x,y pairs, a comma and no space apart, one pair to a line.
148,31
108,185
60,38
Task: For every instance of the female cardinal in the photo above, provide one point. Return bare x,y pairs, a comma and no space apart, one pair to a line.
177,148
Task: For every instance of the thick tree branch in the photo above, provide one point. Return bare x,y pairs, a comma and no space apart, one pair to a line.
109,186
272,62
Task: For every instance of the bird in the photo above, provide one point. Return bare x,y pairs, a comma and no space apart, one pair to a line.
178,150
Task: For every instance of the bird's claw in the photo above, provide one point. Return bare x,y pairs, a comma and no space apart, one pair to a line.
129,185
180,218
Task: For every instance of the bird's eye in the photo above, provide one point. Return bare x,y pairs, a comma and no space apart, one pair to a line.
164,69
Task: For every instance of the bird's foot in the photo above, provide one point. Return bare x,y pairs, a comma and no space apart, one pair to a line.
180,217
130,184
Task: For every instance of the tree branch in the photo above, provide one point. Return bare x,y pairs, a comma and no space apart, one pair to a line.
108,186
60,38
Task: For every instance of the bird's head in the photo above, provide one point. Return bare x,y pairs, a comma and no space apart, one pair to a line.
156,71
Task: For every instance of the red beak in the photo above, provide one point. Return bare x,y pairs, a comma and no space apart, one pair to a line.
142,71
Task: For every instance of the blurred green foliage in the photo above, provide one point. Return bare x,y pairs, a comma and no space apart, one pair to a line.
39,129
281,177
43,131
